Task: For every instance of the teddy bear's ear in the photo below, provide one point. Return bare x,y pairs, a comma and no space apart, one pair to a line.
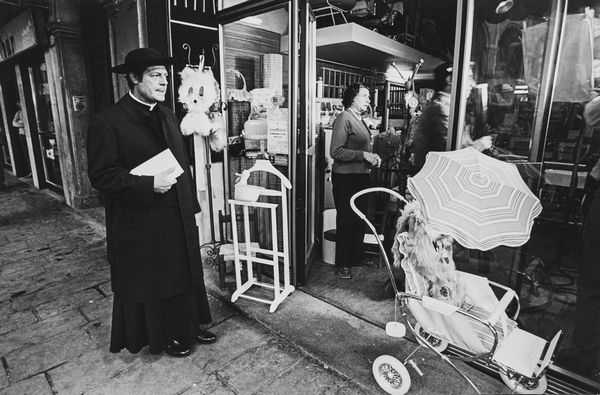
186,73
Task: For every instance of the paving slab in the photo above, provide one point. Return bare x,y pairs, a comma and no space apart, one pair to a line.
90,369
36,385
210,385
14,246
235,336
22,257
99,332
31,360
14,321
105,288
53,291
219,311
253,370
3,379
67,302
166,375
306,377
40,331
97,308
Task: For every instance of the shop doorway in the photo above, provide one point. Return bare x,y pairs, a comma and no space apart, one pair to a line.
15,150
270,97
35,146
42,127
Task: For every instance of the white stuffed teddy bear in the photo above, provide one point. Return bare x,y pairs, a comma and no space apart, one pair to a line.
200,94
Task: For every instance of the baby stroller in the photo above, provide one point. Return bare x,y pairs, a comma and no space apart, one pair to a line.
483,329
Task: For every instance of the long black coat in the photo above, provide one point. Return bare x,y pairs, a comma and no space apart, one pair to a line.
152,239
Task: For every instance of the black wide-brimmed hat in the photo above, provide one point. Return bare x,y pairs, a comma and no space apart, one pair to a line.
142,57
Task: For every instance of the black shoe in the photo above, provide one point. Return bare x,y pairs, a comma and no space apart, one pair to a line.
343,273
178,349
371,263
205,337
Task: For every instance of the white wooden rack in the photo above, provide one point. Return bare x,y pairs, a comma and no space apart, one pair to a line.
249,254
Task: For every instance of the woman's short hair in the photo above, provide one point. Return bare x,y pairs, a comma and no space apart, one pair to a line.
350,93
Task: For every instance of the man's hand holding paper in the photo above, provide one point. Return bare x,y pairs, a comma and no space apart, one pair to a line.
164,180
165,169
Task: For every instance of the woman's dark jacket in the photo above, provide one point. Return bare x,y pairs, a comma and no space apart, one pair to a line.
152,239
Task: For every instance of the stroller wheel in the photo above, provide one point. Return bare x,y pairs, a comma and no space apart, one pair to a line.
391,375
525,386
438,345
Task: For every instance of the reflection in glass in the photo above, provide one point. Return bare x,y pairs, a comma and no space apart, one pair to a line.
508,53
256,87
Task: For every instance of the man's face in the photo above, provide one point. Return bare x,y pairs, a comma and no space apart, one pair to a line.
153,86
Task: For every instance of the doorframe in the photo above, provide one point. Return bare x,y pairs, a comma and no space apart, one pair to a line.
296,104
305,248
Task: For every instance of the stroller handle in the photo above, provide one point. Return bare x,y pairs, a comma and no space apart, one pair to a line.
360,214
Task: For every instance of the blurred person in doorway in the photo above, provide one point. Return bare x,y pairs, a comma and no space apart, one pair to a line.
18,123
351,150
153,249
432,126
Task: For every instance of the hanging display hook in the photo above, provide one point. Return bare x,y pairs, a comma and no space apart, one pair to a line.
188,48
214,49
201,60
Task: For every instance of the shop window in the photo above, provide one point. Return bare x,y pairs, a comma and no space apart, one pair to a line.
256,87
511,54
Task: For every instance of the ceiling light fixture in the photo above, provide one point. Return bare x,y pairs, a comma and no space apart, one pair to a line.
504,6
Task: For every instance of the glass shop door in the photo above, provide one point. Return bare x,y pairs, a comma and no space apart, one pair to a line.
265,113
46,133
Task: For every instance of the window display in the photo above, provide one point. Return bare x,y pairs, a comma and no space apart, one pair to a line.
514,54
256,88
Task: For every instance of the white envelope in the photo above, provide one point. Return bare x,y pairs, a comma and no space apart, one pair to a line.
157,164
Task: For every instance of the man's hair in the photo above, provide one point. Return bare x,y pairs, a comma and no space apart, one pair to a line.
350,93
138,72
440,74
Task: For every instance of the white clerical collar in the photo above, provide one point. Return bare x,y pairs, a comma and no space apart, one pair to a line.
139,101
357,115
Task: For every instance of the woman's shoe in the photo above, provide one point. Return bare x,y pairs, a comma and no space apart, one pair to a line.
372,264
343,273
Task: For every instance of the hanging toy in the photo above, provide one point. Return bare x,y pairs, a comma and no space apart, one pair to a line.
200,95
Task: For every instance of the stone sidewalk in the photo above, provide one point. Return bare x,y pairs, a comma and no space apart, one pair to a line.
55,305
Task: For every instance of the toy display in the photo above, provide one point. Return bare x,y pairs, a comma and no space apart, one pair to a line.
200,94
201,97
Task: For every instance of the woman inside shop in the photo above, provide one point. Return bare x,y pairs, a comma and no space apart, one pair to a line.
351,146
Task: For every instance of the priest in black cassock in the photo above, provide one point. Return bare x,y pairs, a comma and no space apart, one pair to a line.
152,238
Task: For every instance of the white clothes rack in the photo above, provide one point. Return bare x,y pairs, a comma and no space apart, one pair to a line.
249,253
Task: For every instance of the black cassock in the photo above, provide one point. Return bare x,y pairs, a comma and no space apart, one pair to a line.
152,239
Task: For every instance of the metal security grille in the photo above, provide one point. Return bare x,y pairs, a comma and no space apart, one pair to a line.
335,81
396,103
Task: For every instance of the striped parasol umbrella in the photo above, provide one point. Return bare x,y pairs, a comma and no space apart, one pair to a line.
480,201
